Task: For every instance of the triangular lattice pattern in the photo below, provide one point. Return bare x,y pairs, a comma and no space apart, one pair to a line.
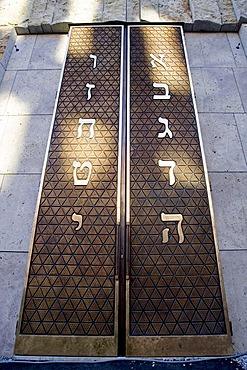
71,286
175,288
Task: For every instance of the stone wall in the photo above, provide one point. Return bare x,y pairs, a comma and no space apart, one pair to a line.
52,16
55,16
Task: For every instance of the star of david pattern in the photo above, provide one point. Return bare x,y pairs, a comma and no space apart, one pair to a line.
71,281
174,287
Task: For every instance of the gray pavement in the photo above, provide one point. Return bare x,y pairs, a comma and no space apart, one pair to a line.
27,97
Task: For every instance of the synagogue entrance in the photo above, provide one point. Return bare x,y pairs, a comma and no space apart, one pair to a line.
124,258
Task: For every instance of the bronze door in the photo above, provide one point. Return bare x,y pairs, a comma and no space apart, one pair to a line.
123,259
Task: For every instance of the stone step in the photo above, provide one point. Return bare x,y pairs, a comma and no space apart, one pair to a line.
170,11
196,15
213,15
47,16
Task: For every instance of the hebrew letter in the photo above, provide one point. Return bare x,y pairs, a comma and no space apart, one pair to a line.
77,218
94,57
171,165
172,217
90,87
86,121
77,165
167,130
155,59
165,86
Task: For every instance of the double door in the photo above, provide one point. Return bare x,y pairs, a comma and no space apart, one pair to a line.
123,257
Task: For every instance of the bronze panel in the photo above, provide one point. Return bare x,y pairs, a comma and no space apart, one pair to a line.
75,287
71,287
174,288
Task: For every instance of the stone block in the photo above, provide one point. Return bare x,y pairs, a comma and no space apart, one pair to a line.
114,10
46,28
7,41
24,144
35,16
229,27
235,277
33,92
222,145
149,10
48,15
64,13
37,11
22,29
48,52
228,16
62,27
241,120
206,25
13,267
35,29
22,52
17,208
174,11
87,12
237,50
5,88
229,193
209,50
188,27
241,78
194,49
133,11
216,90
206,15
229,19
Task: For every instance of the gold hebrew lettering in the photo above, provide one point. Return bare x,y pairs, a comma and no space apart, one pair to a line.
94,57
89,93
85,121
76,165
171,165
177,217
77,218
155,59
164,86
166,131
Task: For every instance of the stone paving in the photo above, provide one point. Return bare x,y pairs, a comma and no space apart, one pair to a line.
27,97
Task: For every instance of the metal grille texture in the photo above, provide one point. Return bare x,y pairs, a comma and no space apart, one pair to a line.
71,287
80,269
174,287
